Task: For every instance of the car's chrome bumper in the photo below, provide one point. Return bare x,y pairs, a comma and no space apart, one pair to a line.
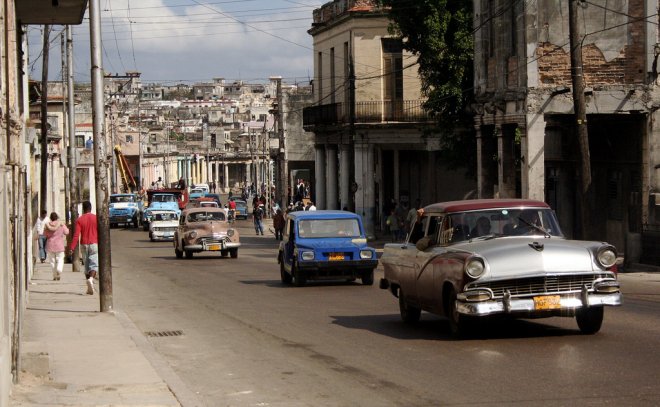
161,236
526,305
202,248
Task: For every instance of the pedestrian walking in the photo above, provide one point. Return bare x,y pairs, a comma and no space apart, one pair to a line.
278,224
87,232
258,215
39,236
392,223
55,232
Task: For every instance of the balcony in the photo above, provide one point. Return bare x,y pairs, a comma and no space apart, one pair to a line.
372,112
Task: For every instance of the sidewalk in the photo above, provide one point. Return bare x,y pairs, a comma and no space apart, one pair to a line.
74,355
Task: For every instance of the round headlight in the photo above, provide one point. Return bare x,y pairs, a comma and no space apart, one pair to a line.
474,268
307,255
230,232
365,254
192,234
607,257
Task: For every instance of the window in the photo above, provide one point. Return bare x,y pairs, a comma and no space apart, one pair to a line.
392,77
80,140
332,76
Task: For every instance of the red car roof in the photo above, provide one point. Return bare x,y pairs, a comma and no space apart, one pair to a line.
476,204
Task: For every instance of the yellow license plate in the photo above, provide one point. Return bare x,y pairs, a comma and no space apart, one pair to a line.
336,256
547,302
214,247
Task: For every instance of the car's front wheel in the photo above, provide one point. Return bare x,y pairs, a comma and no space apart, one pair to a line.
286,277
233,253
589,319
368,277
459,325
145,226
409,313
189,254
299,278
178,253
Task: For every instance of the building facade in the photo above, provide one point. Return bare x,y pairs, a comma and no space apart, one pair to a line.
527,139
374,142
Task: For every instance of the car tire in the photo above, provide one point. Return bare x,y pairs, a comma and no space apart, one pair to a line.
189,254
589,319
233,253
286,277
145,226
459,325
299,278
178,253
224,253
368,277
136,222
409,314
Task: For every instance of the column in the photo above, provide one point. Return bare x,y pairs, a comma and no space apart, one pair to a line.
331,177
345,176
248,171
319,178
397,177
480,164
533,158
365,199
225,185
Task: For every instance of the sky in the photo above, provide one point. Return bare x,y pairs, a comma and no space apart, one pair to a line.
189,41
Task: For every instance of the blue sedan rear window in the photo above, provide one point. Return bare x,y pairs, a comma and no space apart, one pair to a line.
319,228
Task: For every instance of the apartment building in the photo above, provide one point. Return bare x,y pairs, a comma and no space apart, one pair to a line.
373,140
525,119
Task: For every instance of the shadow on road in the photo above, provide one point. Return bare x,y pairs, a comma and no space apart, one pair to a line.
437,328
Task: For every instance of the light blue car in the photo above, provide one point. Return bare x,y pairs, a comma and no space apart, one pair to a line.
126,209
158,202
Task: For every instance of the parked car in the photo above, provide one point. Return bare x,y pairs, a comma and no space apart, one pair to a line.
322,245
161,201
241,209
126,209
163,225
205,229
477,258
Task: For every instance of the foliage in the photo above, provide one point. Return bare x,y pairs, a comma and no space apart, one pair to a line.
439,33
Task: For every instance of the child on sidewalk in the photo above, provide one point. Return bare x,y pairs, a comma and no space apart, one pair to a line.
55,232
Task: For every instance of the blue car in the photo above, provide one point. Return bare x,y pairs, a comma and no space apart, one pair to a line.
325,245
126,209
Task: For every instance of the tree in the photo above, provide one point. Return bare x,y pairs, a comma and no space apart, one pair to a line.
440,34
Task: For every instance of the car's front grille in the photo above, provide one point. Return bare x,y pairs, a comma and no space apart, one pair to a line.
211,240
540,285
164,229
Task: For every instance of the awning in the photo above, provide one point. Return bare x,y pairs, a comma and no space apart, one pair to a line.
59,12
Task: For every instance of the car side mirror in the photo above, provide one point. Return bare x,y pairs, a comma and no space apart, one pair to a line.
423,243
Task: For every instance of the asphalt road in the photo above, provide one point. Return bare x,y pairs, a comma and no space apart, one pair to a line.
237,337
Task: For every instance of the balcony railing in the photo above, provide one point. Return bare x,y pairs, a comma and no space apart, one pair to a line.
381,111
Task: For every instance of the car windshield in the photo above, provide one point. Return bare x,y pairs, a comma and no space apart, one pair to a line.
320,228
166,216
164,198
206,216
122,198
489,223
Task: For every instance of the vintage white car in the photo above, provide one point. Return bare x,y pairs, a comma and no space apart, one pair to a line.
163,225
476,258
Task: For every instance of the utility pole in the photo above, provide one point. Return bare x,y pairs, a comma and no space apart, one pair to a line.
282,165
65,125
71,152
44,120
586,201
100,159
